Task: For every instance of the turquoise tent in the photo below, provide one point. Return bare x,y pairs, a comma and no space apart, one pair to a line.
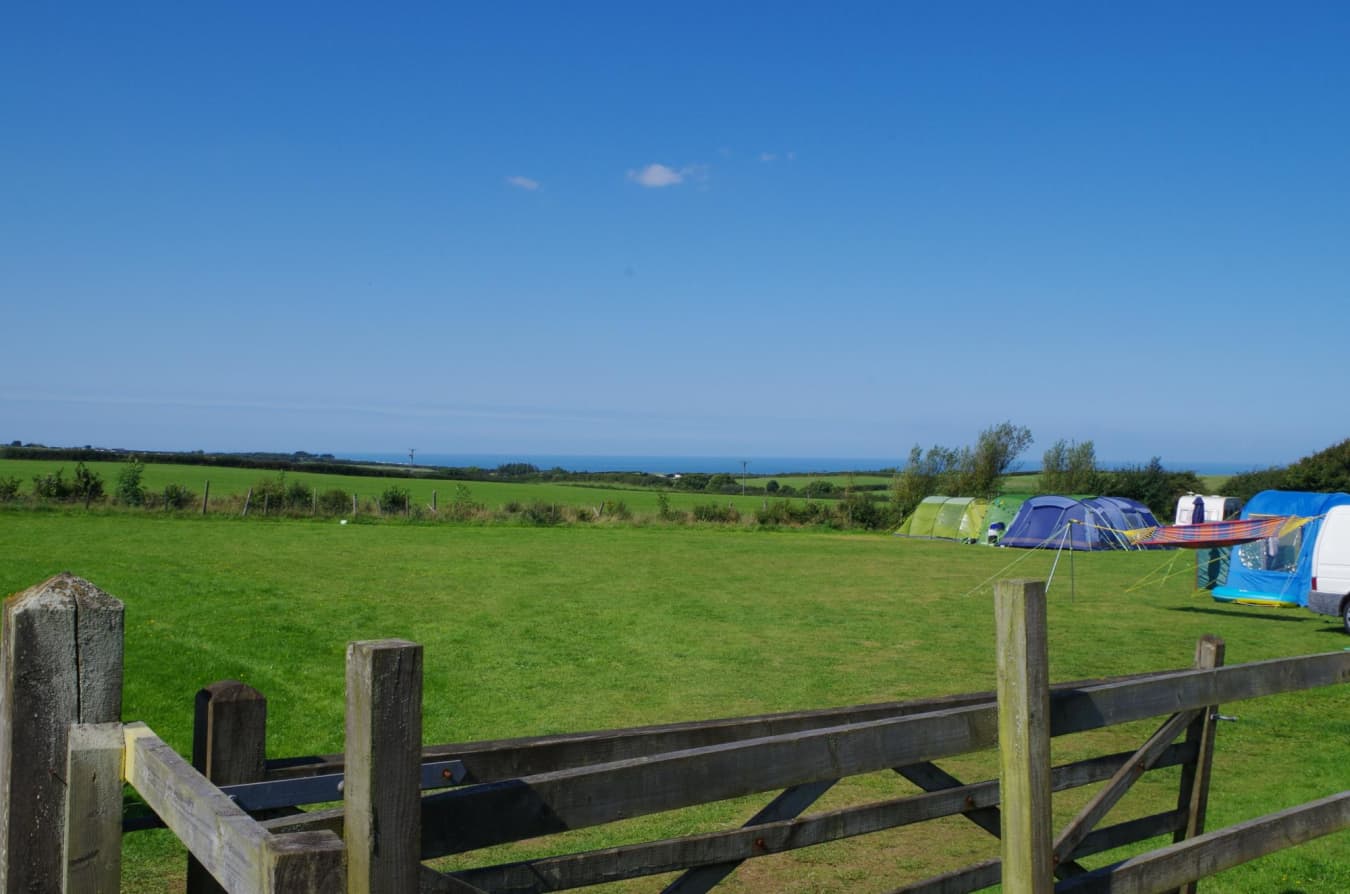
1277,571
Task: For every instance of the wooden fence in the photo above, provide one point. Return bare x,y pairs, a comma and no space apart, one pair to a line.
64,755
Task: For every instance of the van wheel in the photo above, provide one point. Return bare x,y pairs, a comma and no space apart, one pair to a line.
1345,615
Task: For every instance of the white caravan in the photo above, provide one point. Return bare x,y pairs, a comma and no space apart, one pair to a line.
1215,507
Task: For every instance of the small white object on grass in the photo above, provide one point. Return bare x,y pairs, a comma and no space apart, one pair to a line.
343,522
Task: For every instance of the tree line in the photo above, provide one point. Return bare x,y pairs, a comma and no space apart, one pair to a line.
1067,467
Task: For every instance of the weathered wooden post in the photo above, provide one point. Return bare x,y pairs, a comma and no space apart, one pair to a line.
92,851
206,494
1194,796
229,747
60,663
1024,736
382,790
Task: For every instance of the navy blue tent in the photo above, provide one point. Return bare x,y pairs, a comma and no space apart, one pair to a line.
1052,522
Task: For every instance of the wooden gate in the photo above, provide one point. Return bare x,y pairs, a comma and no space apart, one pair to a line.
64,754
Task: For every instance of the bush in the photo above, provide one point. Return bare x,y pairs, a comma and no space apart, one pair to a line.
178,497
462,507
52,486
722,483
335,502
129,491
269,494
616,509
88,485
299,496
542,513
9,489
1151,484
693,481
859,511
779,512
395,500
713,512
1246,485
819,488
784,512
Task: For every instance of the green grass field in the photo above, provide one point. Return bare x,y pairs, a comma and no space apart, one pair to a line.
538,630
839,480
235,483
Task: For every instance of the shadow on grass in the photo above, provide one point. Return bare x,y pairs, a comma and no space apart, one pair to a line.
1255,616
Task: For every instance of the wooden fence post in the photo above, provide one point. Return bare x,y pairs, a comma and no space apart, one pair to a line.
229,747
92,851
382,791
206,494
1194,795
1024,736
60,663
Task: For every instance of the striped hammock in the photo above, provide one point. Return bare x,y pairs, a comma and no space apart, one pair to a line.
1220,533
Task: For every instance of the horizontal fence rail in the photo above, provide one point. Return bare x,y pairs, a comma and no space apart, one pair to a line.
1204,855
229,844
652,858
489,761
477,816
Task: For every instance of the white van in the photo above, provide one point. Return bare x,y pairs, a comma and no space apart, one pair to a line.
1330,594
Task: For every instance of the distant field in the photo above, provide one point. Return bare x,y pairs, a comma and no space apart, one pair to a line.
536,630
226,482
800,481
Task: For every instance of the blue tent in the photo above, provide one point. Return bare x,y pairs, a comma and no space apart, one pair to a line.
1052,522
1277,571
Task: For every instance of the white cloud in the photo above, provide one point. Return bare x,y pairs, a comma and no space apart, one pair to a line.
767,156
656,175
523,182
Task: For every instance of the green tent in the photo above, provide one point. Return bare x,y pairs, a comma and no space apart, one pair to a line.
1002,510
920,521
947,518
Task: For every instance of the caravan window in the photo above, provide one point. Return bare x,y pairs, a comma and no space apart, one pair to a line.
1273,553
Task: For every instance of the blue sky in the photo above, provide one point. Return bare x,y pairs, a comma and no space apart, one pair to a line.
769,230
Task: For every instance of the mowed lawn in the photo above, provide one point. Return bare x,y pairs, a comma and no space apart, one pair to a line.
539,630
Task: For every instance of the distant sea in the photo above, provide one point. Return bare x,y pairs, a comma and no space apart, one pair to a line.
755,465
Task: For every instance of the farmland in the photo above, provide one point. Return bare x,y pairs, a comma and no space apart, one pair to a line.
537,630
230,485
